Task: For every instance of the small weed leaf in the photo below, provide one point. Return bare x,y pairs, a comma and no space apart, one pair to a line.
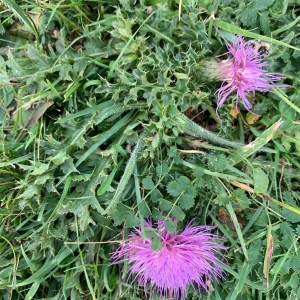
261,181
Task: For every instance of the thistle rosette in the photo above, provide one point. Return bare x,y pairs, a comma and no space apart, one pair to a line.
242,72
189,258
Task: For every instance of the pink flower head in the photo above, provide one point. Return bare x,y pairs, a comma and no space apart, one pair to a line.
186,258
242,72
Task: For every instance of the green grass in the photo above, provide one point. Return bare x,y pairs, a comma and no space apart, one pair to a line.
106,119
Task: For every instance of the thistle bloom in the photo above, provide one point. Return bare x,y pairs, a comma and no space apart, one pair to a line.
242,72
186,258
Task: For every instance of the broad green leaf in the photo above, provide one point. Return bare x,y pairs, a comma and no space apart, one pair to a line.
223,200
248,16
177,213
217,163
155,195
144,209
23,16
186,201
132,220
261,181
262,5
183,181
156,244
150,233
240,196
170,226
148,183
198,172
165,205
174,189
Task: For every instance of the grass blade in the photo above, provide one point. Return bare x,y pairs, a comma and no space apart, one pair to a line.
104,137
23,16
126,176
254,146
237,30
237,228
241,281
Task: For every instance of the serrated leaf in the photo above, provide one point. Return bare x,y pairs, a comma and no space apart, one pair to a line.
248,16
156,244
174,189
85,219
68,166
30,191
199,183
172,151
42,179
198,172
186,201
261,181
177,213
259,5
60,157
132,220
240,196
40,168
222,201
148,183
287,230
120,214
149,232
165,205
184,182
157,216
170,226
119,217
144,209
264,21
295,263
155,141
162,169
191,190
293,282
156,195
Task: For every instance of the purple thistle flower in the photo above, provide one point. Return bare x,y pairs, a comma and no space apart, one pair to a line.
186,258
241,73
